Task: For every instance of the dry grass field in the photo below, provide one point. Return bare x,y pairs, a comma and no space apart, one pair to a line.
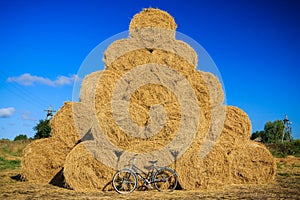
285,186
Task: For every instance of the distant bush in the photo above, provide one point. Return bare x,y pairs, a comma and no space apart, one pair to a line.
21,137
285,149
43,129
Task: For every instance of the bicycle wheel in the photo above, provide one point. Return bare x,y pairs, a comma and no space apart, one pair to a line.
124,181
165,179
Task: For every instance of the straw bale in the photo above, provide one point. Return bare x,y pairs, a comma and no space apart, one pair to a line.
151,17
218,113
71,123
63,125
88,87
83,172
211,171
217,167
237,123
43,159
252,163
215,89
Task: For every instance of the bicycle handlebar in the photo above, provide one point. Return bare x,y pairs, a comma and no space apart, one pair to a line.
132,160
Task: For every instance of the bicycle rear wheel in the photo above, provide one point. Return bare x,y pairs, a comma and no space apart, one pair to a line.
124,181
165,179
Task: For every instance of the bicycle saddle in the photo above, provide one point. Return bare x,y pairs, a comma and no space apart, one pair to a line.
153,162
149,167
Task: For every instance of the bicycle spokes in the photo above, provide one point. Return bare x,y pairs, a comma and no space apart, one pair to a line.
165,180
124,181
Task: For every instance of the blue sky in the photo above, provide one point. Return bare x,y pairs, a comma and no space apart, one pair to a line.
255,44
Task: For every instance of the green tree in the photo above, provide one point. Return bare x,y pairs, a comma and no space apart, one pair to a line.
42,129
257,134
273,131
21,137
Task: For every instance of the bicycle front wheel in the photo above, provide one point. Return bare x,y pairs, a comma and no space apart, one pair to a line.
124,181
165,179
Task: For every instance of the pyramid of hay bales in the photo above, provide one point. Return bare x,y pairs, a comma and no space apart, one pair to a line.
150,101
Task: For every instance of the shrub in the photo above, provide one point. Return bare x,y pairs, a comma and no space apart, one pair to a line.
284,149
21,137
42,129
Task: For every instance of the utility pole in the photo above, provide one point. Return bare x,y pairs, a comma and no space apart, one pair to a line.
287,129
49,112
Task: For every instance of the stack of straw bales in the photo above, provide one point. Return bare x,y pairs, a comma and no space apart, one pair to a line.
220,152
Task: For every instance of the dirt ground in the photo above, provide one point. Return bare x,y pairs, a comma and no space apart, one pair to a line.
285,186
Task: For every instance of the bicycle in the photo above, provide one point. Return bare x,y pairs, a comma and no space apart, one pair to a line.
163,178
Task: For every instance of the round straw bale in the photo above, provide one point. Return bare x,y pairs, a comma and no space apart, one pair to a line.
63,126
217,168
202,173
215,88
252,163
151,17
218,113
83,172
87,87
237,123
43,159
215,130
236,129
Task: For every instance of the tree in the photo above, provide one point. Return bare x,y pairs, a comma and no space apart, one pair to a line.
21,137
42,129
273,131
257,134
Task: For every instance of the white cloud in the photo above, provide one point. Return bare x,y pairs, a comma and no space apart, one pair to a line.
6,112
28,79
64,80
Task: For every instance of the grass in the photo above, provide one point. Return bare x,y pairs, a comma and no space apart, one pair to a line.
282,150
9,164
12,148
283,174
11,153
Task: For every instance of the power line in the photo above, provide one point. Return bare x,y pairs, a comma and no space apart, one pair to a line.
22,93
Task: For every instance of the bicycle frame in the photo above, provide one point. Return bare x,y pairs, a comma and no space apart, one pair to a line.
147,178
